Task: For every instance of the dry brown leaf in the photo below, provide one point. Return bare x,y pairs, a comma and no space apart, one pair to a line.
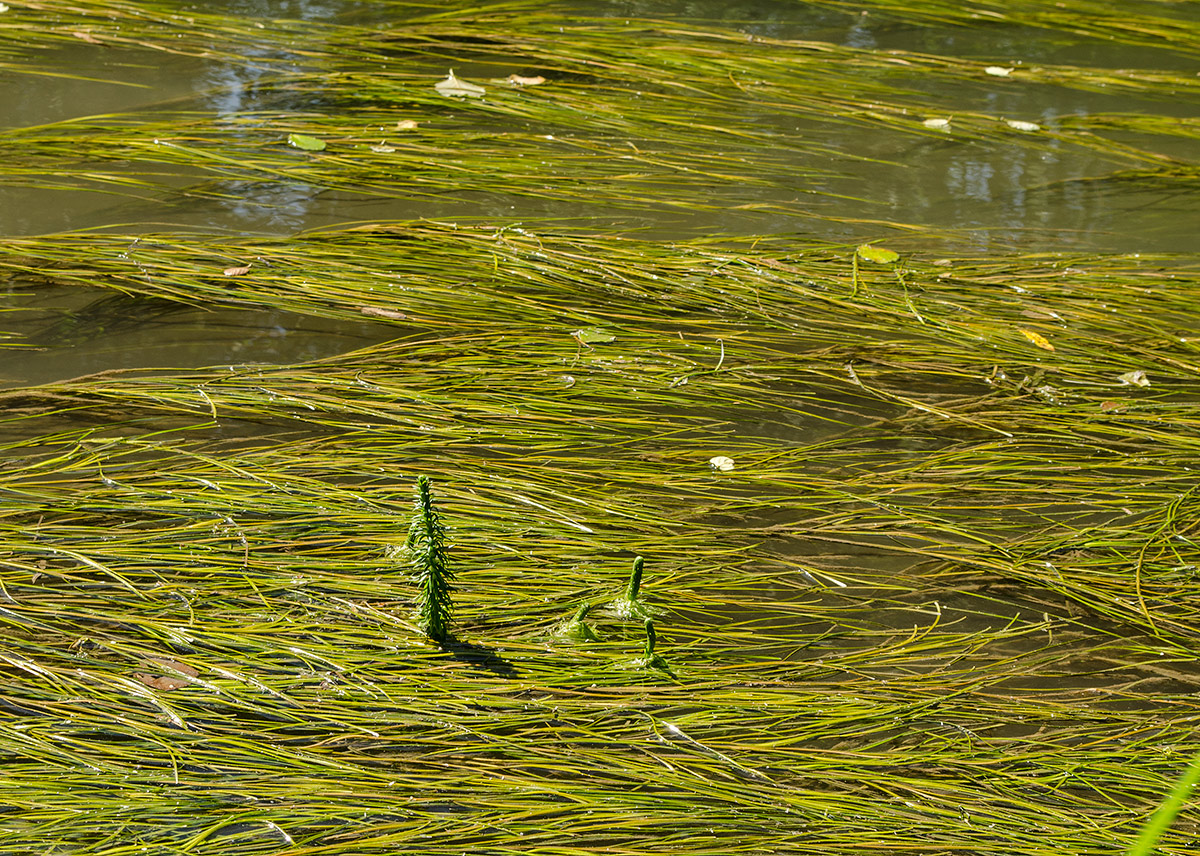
380,312
166,682
1037,339
237,271
161,683
163,662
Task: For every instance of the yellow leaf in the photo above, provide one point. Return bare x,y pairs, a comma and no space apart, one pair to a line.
878,255
1037,339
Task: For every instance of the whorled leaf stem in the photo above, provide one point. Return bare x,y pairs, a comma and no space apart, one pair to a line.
426,546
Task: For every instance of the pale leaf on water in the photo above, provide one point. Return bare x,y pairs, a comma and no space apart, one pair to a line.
721,463
452,87
407,125
878,255
383,149
1134,378
593,335
236,271
307,143
937,124
1022,126
998,71
380,312
1037,339
518,80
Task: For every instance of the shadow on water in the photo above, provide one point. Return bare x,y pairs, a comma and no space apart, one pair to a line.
480,657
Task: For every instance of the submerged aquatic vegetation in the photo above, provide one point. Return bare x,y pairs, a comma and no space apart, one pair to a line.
945,602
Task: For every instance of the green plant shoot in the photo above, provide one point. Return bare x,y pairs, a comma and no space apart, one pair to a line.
635,580
426,545
651,639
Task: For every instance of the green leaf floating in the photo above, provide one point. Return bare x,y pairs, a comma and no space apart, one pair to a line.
878,255
593,335
309,144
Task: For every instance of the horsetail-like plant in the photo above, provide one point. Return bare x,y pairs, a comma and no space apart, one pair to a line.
426,545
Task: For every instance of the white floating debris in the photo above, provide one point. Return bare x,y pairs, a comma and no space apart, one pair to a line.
1022,126
997,71
452,87
721,463
1134,378
937,124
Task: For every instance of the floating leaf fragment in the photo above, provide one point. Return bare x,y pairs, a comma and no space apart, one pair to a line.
937,124
517,80
407,125
998,71
383,149
1022,126
159,682
721,463
1134,378
1109,406
1037,339
236,271
309,144
3,8
593,335
87,37
381,312
452,87
878,255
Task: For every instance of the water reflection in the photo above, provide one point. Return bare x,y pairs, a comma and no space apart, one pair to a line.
1009,194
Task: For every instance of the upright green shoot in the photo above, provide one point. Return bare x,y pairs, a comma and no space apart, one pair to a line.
651,639
650,659
635,580
426,545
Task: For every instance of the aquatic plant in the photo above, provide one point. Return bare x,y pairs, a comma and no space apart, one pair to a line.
576,628
946,602
429,552
635,579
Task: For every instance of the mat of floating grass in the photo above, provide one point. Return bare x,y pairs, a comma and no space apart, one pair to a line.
948,611
942,603
612,129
